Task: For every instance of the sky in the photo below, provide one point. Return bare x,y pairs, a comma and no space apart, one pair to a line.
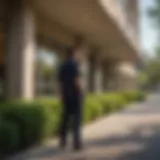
148,34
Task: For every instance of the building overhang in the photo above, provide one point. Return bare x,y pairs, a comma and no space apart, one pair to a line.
92,19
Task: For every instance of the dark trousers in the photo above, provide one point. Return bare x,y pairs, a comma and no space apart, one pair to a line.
71,116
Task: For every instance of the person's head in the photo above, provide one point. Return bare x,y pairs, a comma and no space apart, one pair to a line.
74,53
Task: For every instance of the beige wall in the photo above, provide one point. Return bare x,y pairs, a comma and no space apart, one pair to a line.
125,76
131,11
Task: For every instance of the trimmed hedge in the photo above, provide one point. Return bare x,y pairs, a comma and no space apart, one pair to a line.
133,96
9,137
24,124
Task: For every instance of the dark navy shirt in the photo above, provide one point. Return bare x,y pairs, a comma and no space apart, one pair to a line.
68,73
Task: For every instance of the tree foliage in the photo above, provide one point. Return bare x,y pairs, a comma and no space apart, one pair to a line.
153,71
153,65
152,68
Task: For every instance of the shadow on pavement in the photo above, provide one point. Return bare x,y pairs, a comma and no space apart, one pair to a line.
143,143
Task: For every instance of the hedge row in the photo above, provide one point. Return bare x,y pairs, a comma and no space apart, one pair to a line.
23,124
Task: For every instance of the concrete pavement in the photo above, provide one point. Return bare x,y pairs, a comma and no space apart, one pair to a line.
132,134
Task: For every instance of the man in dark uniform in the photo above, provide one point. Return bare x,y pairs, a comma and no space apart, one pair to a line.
71,94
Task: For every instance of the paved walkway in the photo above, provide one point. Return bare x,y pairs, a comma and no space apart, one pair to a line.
133,134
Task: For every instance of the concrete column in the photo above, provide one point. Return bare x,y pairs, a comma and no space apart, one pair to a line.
21,52
120,76
95,75
126,73
110,83
85,73
91,74
109,75
98,76
105,77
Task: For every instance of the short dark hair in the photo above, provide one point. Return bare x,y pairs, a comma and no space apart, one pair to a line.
70,51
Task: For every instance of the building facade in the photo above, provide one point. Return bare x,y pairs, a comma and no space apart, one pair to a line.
105,32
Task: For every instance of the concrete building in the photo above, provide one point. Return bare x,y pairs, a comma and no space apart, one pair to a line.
109,40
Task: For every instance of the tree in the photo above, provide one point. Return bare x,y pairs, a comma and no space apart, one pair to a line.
153,65
152,68
142,79
153,71
149,74
157,53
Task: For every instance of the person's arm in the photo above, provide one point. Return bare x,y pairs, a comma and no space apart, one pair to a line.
79,83
78,79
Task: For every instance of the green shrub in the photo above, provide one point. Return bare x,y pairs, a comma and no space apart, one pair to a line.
133,95
112,102
9,138
142,96
33,120
92,108
56,111
31,123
